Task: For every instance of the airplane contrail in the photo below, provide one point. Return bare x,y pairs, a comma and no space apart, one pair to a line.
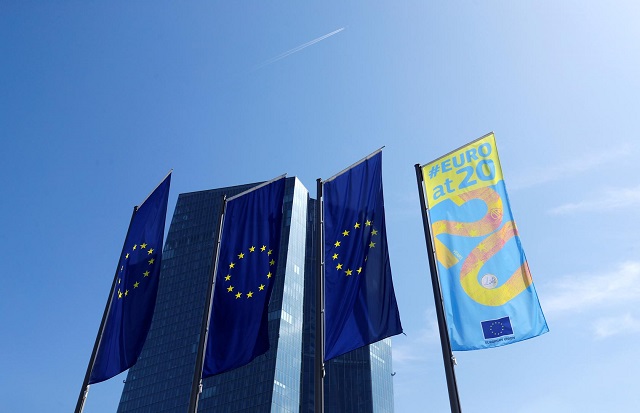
298,48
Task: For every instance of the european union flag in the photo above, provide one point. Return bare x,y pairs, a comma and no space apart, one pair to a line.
360,303
247,265
497,328
134,295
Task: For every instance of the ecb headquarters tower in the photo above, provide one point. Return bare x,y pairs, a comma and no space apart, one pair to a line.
282,380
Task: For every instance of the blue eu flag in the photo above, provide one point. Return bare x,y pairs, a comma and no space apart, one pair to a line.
247,265
134,295
360,303
496,328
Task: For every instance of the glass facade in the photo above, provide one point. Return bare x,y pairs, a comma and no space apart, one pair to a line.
282,379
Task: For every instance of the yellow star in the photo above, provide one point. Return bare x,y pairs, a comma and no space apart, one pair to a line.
136,285
269,253
119,294
152,260
439,227
227,278
374,232
150,251
337,244
143,246
232,265
135,246
122,268
357,225
349,272
272,262
261,287
146,273
473,232
359,270
238,295
126,293
372,244
345,233
230,288
126,256
250,294
459,225
368,223
118,280
482,247
264,247
241,255
339,267
269,275
252,249
335,256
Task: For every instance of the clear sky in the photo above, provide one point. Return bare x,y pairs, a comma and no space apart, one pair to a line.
98,100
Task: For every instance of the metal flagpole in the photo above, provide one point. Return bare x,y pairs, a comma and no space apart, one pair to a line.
84,391
447,354
319,344
196,384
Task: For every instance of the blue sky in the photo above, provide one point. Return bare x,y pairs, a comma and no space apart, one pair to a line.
98,101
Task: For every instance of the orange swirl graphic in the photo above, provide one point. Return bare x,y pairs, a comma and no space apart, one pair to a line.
486,225
517,283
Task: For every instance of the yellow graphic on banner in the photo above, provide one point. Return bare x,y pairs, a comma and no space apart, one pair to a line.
471,167
484,292
470,174
486,225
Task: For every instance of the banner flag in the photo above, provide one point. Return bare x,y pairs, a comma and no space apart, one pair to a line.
134,296
360,302
487,289
247,263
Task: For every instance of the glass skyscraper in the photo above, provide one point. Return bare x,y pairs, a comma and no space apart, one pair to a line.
282,379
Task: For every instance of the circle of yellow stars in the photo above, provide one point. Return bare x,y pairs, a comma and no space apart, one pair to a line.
150,261
496,328
241,256
368,226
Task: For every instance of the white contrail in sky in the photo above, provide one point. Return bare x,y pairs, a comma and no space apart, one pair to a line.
298,48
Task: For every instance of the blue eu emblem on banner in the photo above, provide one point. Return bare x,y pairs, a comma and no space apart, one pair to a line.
497,328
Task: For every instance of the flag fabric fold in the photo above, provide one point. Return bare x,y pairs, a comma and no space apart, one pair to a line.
136,286
360,303
247,263
487,289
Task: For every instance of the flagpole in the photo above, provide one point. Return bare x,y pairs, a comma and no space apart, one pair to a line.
196,384
84,391
319,344
447,354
